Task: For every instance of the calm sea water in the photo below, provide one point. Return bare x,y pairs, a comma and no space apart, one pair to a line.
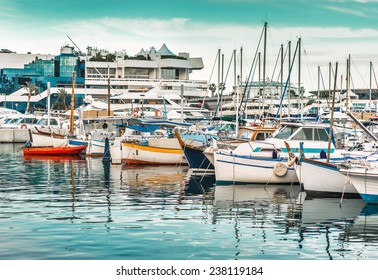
79,208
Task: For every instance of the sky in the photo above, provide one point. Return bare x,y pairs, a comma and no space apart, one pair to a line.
330,31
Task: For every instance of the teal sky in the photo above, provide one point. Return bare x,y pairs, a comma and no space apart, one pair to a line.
330,29
352,13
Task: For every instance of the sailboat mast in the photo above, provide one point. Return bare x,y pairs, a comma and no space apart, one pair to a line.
281,83
347,84
260,93
219,65
299,78
288,90
264,64
109,96
329,83
371,67
236,91
318,105
331,121
241,64
72,104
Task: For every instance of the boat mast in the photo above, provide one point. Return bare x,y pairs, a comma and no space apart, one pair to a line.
219,65
260,92
245,111
318,105
109,95
347,84
371,67
72,104
299,78
329,84
281,83
264,65
287,80
48,104
236,91
331,121
288,91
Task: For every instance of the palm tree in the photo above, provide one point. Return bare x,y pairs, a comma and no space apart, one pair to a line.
31,90
60,103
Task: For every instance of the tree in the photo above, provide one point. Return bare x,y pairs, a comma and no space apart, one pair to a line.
31,89
60,103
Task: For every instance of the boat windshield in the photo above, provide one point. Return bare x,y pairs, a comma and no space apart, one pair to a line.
286,132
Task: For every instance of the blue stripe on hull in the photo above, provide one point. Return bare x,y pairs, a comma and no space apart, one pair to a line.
370,198
226,182
78,143
252,165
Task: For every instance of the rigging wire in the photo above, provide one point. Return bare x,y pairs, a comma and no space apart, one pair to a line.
363,80
223,87
211,75
375,77
311,80
250,73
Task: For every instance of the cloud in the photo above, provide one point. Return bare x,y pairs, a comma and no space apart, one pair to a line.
6,13
200,39
349,11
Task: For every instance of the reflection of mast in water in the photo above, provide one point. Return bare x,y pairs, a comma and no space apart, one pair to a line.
237,237
106,165
328,216
255,202
73,189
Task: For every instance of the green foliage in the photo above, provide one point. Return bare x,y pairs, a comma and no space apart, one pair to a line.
31,89
98,57
60,103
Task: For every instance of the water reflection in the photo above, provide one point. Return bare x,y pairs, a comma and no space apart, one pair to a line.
365,226
83,208
293,216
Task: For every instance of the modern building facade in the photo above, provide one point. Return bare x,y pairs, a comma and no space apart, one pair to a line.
160,71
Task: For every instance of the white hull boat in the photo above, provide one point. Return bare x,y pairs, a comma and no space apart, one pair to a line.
231,168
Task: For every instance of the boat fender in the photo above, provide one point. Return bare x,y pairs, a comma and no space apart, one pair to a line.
291,161
24,126
28,144
280,169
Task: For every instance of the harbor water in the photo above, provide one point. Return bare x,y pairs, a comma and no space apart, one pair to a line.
73,208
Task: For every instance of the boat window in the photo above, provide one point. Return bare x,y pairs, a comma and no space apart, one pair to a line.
321,134
53,122
12,121
286,132
245,134
261,136
27,120
304,134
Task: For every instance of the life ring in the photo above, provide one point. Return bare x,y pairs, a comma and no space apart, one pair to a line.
24,126
280,169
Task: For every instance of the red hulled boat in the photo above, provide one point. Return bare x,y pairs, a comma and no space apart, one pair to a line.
66,150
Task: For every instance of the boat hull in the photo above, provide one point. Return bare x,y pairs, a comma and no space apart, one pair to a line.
68,150
96,148
323,179
46,140
245,170
366,183
133,153
196,158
